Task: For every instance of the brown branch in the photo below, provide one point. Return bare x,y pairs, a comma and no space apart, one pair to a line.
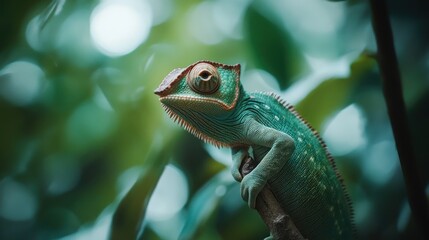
392,87
279,223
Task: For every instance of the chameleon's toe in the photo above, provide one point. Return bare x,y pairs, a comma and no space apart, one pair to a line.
236,174
251,186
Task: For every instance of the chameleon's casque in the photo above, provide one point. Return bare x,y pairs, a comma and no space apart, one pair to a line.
207,99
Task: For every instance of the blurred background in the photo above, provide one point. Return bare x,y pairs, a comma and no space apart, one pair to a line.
83,139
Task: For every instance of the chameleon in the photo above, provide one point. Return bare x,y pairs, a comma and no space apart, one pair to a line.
208,100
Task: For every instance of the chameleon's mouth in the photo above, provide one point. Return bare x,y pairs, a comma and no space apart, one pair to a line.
174,99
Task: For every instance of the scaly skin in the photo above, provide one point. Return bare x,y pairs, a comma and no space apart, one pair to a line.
207,99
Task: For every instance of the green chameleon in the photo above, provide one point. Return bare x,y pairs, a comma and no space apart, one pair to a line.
208,100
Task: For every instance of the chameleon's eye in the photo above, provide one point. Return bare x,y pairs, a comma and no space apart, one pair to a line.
204,78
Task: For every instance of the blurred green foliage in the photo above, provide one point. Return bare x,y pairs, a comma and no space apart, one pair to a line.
83,140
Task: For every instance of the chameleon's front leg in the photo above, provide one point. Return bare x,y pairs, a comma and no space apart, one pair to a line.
281,148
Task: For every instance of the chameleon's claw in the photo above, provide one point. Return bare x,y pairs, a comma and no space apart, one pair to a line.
252,199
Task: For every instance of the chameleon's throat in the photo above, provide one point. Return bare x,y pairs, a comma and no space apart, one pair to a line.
194,131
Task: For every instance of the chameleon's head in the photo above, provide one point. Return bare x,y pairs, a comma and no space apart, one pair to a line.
207,87
203,89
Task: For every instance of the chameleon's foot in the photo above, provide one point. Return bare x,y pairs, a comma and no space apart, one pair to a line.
251,186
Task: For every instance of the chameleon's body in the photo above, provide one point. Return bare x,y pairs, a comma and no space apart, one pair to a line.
209,101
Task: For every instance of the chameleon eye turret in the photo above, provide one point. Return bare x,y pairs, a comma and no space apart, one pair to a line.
204,78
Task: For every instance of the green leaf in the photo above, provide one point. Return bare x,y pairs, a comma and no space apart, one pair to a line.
273,49
334,93
204,206
131,210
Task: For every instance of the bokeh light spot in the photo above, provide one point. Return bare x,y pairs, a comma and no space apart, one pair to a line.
62,174
221,155
17,202
73,40
169,196
259,80
162,10
345,132
33,34
381,162
119,27
21,82
202,26
89,124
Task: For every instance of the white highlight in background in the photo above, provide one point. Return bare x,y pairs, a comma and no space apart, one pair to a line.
119,27
169,196
21,82
345,132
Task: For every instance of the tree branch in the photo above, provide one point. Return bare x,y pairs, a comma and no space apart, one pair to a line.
392,87
279,223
